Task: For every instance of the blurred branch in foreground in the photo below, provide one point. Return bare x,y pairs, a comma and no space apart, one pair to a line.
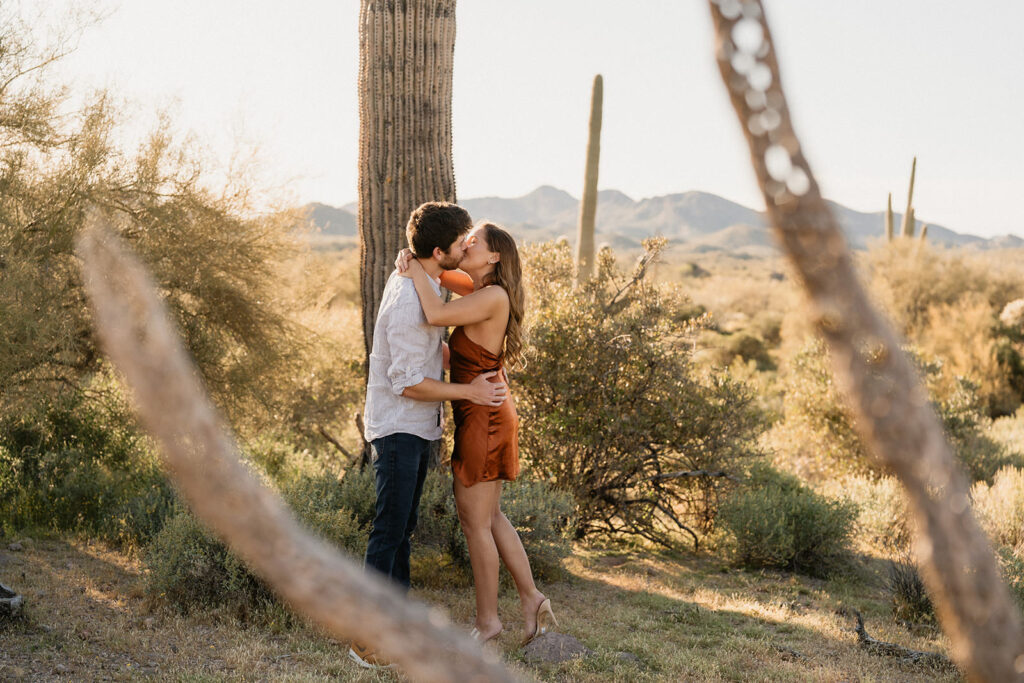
202,459
891,406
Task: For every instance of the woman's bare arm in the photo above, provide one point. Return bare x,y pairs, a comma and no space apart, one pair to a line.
473,308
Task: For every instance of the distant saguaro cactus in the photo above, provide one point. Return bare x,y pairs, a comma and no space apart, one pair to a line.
907,228
588,204
888,220
406,51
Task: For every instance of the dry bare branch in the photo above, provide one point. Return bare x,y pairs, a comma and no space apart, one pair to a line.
891,407
692,474
884,649
202,459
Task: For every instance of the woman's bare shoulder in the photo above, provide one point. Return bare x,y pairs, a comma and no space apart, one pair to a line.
494,293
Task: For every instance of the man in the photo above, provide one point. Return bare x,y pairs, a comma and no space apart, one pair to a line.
405,394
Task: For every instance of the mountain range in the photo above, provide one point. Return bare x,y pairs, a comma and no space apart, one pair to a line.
696,221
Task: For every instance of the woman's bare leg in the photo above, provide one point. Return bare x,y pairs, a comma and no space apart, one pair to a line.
510,547
476,511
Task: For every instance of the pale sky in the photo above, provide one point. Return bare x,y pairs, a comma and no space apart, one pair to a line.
871,84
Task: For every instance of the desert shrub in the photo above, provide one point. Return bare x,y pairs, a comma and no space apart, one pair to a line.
82,467
1011,567
1000,507
722,350
185,554
438,530
750,348
324,392
543,516
774,520
767,325
910,600
540,513
817,437
357,492
965,335
1009,432
70,459
883,524
233,273
329,508
948,305
612,410
910,278
966,421
188,567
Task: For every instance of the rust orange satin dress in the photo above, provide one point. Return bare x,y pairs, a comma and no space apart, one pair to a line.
486,438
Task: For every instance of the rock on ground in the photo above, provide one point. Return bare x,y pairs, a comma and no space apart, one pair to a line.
554,648
10,602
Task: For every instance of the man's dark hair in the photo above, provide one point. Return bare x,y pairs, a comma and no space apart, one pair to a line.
436,224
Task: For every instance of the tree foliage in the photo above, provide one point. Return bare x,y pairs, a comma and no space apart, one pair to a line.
212,254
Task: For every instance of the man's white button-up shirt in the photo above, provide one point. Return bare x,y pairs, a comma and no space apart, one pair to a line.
405,351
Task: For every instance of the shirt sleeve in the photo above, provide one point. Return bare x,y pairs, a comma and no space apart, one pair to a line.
411,345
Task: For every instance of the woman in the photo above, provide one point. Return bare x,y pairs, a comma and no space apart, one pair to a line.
488,334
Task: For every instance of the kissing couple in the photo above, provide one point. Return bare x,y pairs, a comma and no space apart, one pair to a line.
405,397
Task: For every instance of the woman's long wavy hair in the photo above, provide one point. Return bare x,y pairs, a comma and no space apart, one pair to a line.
508,274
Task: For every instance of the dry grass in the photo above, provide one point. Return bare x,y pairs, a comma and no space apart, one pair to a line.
678,618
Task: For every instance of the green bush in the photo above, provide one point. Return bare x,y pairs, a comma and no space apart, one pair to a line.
965,418
185,555
189,567
613,411
1000,510
543,516
773,520
327,507
438,532
81,466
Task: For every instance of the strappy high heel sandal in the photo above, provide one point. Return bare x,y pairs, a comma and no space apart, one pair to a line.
478,637
545,622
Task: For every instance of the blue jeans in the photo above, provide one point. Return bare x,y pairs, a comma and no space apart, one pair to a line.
400,462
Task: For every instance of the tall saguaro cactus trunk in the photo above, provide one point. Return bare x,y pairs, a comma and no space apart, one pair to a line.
588,205
406,50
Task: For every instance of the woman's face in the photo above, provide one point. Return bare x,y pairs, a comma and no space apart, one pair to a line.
478,253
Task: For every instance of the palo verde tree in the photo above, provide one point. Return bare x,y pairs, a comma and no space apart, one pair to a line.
212,255
405,129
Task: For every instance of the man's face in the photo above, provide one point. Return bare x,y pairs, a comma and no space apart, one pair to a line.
456,251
